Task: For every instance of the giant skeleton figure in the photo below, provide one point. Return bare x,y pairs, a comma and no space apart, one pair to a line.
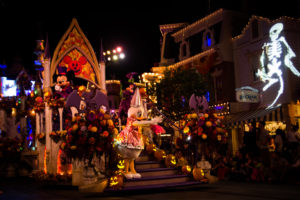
274,52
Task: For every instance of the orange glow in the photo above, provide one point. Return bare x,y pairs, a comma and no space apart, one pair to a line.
69,169
45,161
59,170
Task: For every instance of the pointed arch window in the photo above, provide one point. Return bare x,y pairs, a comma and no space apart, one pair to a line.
207,39
184,50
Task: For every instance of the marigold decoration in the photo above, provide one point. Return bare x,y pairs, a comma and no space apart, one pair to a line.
170,161
41,138
56,136
86,136
39,105
203,126
186,169
186,130
116,182
198,174
208,124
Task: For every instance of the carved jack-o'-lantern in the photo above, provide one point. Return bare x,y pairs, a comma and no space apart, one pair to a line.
150,148
120,164
186,169
116,182
160,155
170,160
198,174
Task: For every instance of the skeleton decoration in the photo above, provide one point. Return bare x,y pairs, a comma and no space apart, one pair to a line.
274,52
198,103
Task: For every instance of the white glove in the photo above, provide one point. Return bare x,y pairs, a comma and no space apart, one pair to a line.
58,88
157,120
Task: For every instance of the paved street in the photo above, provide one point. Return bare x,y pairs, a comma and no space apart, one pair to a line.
24,189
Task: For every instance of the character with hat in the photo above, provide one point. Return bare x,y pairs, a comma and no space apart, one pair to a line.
129,143
62,86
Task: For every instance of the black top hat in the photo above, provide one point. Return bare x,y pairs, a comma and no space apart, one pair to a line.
62,70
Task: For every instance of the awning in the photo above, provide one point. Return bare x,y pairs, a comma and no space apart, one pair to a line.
272,114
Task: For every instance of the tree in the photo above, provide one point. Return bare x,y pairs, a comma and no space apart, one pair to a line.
175,89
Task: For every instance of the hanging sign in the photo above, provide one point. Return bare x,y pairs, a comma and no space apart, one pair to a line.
247,95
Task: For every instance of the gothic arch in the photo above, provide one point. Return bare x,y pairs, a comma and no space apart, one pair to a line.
75,44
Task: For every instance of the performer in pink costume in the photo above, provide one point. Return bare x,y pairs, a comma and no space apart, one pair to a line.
130,140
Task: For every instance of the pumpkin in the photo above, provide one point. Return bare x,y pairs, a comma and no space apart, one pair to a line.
170,160
150,148
160,155
146,140
198,174
120,164
186,169
116,182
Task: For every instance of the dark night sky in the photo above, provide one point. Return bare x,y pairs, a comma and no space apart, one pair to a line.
133,26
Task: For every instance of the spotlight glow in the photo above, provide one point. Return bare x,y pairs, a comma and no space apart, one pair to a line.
122,55
115,57
119,49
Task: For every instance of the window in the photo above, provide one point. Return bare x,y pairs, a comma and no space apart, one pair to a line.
208,40
184,50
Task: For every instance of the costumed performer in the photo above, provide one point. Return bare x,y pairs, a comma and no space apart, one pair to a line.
129,142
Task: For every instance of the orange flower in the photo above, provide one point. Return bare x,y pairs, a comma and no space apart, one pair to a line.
186,129
105,133
94,129
208,123
74,127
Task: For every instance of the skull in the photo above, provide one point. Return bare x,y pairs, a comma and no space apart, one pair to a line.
275,30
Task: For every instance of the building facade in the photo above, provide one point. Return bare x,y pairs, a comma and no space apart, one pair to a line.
205,45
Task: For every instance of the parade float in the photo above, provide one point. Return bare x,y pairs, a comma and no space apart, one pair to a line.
76,140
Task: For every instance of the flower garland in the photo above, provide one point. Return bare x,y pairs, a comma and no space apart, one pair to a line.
41,138
56,136
89,133
204,126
